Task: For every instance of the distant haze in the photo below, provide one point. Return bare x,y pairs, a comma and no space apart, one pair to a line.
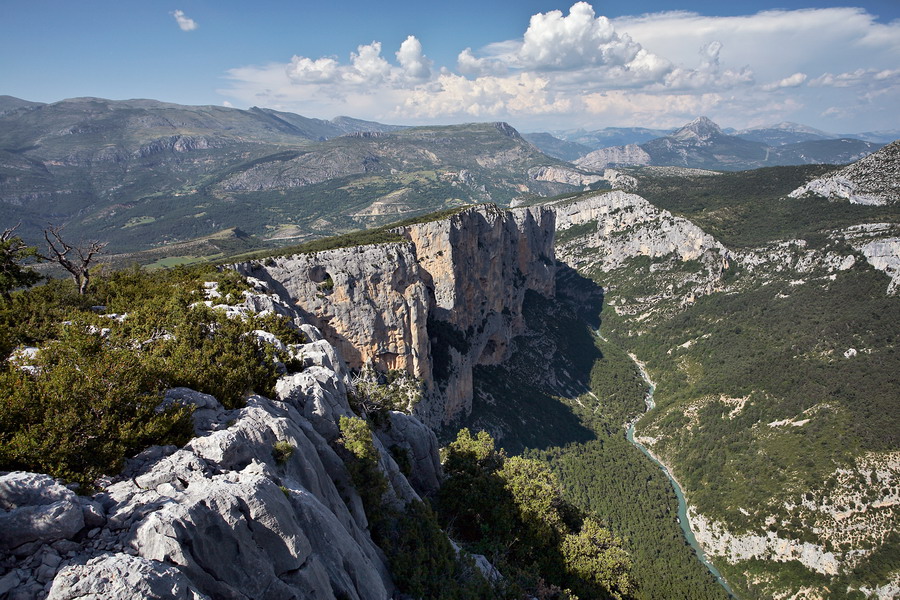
540,66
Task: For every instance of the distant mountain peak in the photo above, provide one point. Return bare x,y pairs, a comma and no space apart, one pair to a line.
700,129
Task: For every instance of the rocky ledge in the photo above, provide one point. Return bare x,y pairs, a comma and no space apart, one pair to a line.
225,516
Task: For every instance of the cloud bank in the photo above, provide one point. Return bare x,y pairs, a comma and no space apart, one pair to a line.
581,69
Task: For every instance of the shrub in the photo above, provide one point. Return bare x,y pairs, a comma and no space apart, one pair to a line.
282,451
86,409
362,463
513,508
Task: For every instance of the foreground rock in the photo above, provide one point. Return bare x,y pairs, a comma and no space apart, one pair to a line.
226,516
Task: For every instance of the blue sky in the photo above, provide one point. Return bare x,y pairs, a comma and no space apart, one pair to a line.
538,65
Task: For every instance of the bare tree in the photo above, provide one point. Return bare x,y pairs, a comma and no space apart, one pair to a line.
74,259
13,253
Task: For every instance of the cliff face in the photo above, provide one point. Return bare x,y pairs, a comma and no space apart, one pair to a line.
448,299
873,180
617,226
479,263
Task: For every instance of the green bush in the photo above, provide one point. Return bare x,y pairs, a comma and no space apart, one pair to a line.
513,509
88,407
282,451
362,463
92,400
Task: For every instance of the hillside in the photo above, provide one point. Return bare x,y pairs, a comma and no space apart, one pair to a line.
142,173
770,332
264,435
872,180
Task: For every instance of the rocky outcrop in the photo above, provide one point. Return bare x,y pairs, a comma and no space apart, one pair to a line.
371,302
718,541
874,180
434,306
563,175
622,156
225,516
622,226
480,263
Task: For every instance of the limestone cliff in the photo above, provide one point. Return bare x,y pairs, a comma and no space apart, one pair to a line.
603,232
434,306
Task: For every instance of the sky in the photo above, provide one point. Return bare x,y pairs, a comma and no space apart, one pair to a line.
540,65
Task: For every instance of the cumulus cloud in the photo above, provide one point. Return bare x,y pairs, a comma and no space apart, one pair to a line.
414,63
468,64
302,69
186,23
795,80
657,69
555,41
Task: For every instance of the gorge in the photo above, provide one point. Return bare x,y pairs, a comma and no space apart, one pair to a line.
485,317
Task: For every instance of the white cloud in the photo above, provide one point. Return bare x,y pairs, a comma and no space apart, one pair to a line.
795,80
857,78
471,66
583,68
302,69
484,97
185,22
414,63
553,41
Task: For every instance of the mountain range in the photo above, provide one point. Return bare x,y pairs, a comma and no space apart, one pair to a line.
703,144
144,174
141,173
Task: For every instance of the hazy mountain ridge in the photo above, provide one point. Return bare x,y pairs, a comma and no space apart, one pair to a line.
140,172
703,144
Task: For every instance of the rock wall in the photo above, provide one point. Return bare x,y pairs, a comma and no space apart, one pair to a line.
626,226
718,541
394,305
221,517
621,156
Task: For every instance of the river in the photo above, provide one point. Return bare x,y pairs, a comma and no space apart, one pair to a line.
682,505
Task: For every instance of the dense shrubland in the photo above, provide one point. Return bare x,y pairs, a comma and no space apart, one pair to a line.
89,396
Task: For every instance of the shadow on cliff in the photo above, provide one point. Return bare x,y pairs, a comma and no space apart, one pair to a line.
527,401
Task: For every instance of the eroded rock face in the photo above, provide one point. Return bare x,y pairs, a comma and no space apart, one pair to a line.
625,226
563,175
371,302
396,306
630,155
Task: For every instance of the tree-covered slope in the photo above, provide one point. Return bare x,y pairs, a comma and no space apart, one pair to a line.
775,360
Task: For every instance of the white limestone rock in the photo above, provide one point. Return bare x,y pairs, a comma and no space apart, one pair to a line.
35,508
122,577
421,446
873,180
